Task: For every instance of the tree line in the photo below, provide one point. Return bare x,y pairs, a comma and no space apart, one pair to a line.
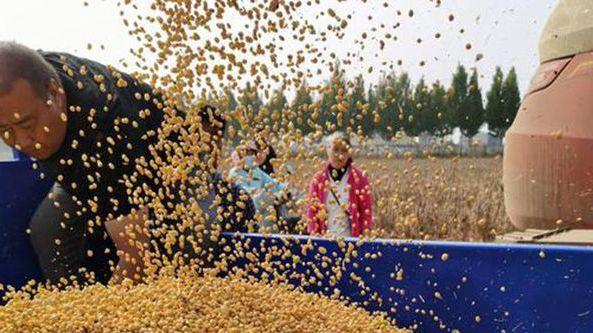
391,106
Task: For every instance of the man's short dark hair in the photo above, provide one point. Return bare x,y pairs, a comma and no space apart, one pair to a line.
20,62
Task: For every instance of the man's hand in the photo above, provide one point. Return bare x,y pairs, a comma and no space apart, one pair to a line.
131,240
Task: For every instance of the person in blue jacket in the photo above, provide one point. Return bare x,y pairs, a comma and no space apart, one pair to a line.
268,194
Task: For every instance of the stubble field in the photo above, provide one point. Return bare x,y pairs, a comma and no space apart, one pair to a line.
457,199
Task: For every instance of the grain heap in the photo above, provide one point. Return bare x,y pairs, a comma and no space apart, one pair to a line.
190,304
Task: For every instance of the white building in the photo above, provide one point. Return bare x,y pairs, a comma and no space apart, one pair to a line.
491,144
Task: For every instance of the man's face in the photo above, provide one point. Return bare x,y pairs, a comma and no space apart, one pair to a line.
262,150
338,154
32,124
261,155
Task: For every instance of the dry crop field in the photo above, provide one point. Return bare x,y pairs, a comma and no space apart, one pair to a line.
447,199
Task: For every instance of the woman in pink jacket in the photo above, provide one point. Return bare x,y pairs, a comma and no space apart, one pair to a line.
340,200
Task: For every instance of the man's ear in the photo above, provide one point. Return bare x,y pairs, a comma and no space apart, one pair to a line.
55,95
55,89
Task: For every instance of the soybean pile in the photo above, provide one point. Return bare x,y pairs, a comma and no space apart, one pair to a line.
189,304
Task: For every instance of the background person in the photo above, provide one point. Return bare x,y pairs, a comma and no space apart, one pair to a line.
340,200
265,155
268,194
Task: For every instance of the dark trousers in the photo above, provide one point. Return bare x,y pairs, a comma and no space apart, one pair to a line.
64,246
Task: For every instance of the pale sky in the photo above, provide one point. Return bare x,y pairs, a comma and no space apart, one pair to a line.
506,32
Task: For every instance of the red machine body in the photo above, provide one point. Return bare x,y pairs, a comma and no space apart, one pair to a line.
548,158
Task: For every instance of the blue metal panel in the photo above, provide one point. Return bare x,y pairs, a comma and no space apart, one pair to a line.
20,193
478,288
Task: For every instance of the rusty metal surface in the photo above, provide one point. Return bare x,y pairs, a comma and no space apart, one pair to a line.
548,158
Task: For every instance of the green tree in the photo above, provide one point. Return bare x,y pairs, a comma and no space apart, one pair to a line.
369,127
395,103
511,99
379,109
250,99
331,115
228,104
417,116
278,101
438,125
276,108
357,104
471,116
302,96
457,97
228,101
250,105
495,114
300,113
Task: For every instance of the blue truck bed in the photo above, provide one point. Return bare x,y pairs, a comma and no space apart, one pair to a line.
478,288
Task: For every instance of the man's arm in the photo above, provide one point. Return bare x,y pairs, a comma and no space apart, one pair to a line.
131,240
